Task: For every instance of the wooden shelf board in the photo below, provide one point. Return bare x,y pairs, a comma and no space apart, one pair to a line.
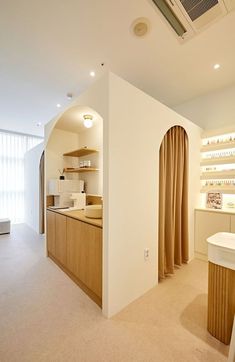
217,175
80,153
80,170
217,161
218,146
223,190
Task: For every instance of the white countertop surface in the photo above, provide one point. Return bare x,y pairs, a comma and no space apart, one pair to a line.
223,240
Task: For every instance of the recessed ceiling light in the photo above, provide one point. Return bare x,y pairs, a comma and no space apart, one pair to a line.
58,105
92,73
69,95
216,66
39,124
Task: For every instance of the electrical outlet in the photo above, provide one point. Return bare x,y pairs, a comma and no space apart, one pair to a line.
146,254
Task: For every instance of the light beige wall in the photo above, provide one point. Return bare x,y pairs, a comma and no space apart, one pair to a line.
137,124
93,138
31,176
59,143
211,111
133,127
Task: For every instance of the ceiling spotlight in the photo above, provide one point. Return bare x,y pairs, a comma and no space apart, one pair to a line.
58,105
39,124
92,73
216,66
87,120
69,96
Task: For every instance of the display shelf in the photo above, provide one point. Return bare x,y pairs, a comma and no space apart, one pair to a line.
80,170
80,152
217,161
210,175
218,146
222,189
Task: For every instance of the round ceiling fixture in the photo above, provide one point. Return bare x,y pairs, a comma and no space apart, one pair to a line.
140,27
87,120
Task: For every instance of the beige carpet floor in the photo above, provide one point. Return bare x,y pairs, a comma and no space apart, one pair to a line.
44,316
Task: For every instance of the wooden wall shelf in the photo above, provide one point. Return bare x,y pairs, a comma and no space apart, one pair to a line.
80,170
210,175
223,189
217,161
218,146
80,152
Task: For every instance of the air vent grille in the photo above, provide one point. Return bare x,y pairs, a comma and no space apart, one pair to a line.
170,17
196,8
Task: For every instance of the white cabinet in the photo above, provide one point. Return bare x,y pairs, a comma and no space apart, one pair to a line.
233,224
208,223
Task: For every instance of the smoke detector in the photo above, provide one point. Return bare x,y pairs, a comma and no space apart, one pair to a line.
140,27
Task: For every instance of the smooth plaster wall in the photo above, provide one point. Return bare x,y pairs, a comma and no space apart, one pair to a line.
59,143
93,138
211,111
137,125
31,175
133,127
97,98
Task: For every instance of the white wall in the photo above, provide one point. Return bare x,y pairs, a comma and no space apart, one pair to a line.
31,175
59,143
137,125
211,111
93,138
134,125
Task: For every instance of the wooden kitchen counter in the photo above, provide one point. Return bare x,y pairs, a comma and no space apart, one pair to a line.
78,215
74,243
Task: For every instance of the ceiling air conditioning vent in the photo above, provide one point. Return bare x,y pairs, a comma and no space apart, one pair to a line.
188,17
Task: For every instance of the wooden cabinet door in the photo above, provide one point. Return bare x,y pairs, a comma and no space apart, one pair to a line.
232,223
60,239
208,223
50,237
84,253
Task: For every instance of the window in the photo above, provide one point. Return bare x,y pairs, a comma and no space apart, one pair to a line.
12,150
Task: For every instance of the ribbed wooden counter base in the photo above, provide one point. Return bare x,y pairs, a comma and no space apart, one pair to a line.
221,302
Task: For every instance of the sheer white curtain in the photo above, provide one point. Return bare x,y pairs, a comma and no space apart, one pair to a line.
12,151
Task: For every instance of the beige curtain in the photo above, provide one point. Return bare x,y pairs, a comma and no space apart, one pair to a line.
42,196
173,201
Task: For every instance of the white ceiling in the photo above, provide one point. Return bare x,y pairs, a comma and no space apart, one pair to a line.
49,47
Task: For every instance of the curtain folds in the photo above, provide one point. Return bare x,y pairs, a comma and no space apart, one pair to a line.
173,201
12,150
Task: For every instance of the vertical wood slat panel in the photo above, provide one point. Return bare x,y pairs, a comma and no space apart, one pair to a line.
221,302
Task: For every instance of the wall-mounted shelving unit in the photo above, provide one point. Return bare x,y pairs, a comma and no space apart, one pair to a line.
81,152
218,151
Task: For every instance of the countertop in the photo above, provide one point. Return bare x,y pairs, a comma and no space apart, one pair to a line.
78,215
223,211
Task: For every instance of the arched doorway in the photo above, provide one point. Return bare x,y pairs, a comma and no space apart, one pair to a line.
173,201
